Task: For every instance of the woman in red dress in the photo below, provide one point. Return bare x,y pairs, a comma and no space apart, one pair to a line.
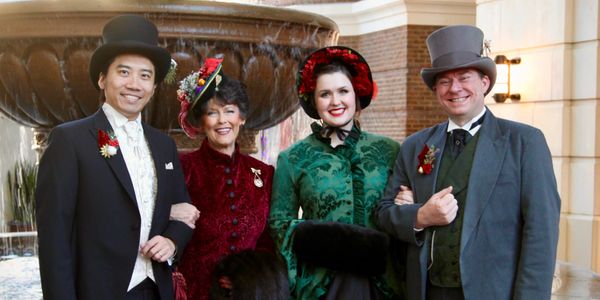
230,189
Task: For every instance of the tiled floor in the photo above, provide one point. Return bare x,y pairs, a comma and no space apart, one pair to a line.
19,280
576,283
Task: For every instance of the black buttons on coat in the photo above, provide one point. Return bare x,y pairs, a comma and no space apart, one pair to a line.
231,195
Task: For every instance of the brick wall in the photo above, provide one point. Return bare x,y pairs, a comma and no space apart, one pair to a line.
404,104
423,106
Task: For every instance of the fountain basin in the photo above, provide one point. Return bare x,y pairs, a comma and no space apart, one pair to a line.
45,47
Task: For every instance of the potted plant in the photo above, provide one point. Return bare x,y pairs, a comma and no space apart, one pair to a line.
21,188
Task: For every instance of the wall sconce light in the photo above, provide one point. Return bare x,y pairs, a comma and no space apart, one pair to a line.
502,86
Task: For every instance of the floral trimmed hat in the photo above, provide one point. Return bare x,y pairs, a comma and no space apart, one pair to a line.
362,81
198,87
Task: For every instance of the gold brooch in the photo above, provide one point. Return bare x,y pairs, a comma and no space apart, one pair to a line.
257,181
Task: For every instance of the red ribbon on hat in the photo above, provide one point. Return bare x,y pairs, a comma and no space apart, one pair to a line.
190,130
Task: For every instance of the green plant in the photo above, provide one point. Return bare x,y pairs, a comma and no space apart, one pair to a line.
21,188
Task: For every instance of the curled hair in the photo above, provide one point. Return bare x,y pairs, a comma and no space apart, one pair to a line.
230,91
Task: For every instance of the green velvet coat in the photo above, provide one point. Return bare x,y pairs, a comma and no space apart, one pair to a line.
340,184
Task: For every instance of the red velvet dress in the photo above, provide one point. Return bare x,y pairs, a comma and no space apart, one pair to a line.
233,211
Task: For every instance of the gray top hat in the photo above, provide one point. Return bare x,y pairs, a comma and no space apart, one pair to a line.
457,47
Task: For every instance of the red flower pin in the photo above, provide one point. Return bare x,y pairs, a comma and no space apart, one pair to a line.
108,143
426,159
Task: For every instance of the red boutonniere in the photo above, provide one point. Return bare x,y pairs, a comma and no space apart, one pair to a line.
426,159
108,143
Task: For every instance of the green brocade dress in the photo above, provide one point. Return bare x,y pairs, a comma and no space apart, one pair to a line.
340,184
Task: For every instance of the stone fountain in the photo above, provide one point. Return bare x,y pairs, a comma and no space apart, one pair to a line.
45,47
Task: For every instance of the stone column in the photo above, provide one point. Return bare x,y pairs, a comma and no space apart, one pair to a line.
558,42
40,142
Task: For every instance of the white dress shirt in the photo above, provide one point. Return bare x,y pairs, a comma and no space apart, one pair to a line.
467,126
140,166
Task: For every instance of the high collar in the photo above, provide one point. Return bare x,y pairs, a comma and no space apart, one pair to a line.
467,126
115,118
214,155
349,141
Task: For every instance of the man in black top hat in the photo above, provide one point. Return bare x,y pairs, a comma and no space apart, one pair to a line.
106,183
484,223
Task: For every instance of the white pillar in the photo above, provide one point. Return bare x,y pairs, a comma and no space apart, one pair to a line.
558,42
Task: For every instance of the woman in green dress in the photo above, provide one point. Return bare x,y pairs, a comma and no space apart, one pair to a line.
336,176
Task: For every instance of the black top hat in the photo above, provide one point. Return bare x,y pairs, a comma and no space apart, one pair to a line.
362,81
457,47
130,34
